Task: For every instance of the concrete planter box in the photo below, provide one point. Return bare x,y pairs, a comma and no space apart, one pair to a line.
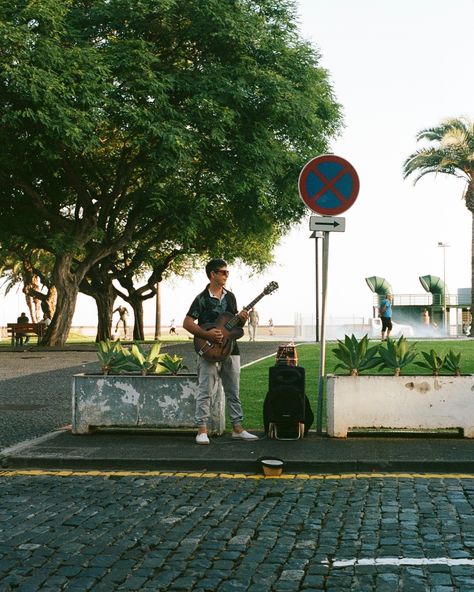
400,402
135,401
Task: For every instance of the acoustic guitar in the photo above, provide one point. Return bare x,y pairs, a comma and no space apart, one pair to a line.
231,329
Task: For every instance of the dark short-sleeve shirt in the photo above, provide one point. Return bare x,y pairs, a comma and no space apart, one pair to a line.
206,309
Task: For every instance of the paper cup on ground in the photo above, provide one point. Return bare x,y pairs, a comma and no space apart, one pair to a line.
272,467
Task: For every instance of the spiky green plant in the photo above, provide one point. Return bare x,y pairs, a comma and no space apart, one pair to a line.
432,362
452,362
117,359
356,356
146,361
172,364
397,354
110,354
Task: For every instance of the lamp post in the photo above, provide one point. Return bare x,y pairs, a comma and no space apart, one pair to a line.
445,320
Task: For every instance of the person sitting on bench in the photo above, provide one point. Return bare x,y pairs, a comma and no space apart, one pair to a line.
21,320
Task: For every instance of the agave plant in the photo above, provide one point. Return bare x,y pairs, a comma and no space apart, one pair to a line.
432,361
452,362
115,358
172,364
397,354
110,354
356,356
146,361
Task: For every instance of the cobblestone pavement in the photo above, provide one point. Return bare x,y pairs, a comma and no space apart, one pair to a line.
154,532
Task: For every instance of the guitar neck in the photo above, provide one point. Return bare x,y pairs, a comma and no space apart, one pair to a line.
254,301
236,320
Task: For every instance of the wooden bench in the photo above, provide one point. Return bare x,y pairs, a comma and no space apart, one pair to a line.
18,330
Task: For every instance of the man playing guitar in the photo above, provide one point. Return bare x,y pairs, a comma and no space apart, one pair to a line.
206,308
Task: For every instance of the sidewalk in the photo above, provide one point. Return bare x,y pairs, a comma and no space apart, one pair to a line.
40,380
178,452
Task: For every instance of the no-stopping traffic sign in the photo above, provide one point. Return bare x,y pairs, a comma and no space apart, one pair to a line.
328,184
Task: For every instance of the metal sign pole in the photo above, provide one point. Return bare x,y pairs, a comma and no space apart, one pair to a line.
322,356
316,258
336,190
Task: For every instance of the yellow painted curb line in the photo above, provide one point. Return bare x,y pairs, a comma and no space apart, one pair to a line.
204,475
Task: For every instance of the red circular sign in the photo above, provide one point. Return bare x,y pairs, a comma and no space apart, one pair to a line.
328,184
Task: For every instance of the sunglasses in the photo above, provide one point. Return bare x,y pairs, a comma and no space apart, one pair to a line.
223,271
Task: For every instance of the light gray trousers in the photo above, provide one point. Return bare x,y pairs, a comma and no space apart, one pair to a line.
209,376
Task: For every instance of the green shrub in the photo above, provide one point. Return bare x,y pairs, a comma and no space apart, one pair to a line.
170,364
356,356
452,362
432,361
118,359
114,357
397,354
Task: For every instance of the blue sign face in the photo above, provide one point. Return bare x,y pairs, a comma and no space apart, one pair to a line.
328,185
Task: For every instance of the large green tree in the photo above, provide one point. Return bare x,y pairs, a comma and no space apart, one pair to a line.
122,120
450,150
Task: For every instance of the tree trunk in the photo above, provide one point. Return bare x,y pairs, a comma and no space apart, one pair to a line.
138,329
31,289
471,331
135,298
31,308
66,287
49,303
105,304
43,302
158,312
98,284
469,198
58,331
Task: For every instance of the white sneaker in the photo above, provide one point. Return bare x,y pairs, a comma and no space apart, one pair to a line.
244,435
202,439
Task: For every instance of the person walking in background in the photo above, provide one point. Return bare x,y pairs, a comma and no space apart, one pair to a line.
253,323
385,312
172,330
123,316
206,308
270,326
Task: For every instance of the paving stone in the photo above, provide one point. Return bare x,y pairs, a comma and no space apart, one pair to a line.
313,581
139,542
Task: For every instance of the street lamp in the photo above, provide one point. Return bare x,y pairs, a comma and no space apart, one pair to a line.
445,320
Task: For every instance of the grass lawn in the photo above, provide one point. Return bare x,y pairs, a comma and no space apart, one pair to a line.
79,339
254,379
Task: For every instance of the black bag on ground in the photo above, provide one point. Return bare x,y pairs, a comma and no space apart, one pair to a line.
287,412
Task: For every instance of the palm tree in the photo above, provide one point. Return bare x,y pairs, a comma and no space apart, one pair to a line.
452,152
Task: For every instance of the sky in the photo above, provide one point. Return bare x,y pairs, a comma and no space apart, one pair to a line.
396,68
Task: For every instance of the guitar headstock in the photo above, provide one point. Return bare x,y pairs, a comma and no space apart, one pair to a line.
271,287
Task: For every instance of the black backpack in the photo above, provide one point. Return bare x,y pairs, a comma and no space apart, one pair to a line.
287,412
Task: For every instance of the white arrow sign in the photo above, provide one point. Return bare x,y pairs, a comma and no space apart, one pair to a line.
327,224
